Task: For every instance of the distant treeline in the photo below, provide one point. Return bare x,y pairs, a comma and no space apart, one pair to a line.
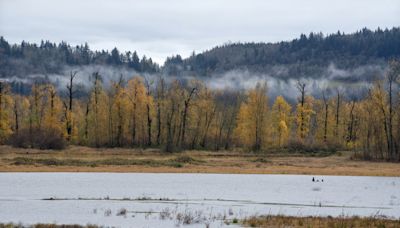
174,116
307,56
50,58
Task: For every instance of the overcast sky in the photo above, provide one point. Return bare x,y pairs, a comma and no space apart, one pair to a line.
160,28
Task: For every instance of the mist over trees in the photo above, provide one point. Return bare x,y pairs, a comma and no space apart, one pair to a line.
336,59
158,110
307,56
141,112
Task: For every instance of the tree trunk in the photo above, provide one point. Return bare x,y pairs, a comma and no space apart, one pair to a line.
149,121
16,116
184,116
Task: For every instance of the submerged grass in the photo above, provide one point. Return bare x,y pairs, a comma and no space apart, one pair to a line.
329,222
177,162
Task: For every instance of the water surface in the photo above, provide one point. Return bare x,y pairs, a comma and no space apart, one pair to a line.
166,200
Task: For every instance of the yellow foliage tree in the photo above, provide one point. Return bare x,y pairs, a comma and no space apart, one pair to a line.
20,112
281,120
119,108
251,120
97,128
36,106
53,109
138,99
202,116
304,111
5,110
325,117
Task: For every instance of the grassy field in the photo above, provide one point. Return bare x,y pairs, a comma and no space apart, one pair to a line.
84,159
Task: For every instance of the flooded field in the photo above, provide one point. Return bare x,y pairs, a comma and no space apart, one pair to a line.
168,200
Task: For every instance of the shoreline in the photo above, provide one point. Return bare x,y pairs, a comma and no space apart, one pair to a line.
263,221
124,160
134,171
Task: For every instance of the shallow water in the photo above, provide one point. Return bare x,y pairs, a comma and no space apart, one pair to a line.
170,200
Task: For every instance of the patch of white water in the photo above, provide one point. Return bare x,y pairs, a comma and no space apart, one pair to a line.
170,200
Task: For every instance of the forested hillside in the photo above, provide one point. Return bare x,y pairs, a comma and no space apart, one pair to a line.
50,58
307,56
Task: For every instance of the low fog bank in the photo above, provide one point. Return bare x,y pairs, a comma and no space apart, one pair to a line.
349,82
354,82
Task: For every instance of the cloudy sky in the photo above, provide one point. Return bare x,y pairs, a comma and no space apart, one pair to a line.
160,28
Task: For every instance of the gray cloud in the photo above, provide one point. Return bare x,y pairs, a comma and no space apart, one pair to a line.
159,28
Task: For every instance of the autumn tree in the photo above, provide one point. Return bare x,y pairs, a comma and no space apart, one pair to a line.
118,106
251,124
160,103
137,95
227,105
149,110
53,109
281,120
68,110
392,76
338,106
188,95
98,115
36,108
173,109
325,118
303,111
203,114
5,107
20,112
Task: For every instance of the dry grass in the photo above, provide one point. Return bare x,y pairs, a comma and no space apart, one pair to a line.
84,159
330,222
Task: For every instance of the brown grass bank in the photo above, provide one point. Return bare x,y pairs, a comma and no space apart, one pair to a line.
329,222
85,159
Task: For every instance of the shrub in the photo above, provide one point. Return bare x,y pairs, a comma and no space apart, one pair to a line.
312,148
38,138
261,160
171,148
107,212
122,212
184,159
